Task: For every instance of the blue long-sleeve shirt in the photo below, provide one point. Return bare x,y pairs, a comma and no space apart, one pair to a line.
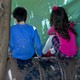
24,41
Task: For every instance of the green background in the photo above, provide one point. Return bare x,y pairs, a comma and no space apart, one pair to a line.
39,13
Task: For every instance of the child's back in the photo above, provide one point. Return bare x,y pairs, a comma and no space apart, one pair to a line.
68,48
24,38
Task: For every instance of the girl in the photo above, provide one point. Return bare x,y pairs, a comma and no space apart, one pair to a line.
65,40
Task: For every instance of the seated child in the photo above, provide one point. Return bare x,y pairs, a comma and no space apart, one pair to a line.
64,42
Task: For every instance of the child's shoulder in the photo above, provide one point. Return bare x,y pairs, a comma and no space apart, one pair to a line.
12,26
71,24
33,27
51,30
30,27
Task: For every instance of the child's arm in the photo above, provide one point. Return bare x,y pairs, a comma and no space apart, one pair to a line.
48,45
38,44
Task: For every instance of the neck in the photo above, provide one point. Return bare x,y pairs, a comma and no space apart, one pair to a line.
22,22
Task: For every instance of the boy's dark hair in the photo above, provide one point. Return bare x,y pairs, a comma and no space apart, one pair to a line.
59,20
20,14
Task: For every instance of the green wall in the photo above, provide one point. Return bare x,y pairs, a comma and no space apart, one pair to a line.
39,12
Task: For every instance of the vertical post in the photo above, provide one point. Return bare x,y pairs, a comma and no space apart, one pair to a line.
5,8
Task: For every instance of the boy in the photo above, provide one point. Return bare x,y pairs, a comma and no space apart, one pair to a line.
24,40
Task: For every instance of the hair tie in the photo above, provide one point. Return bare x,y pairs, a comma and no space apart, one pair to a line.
54,8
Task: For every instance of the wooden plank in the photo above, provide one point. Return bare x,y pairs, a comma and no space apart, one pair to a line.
5,7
